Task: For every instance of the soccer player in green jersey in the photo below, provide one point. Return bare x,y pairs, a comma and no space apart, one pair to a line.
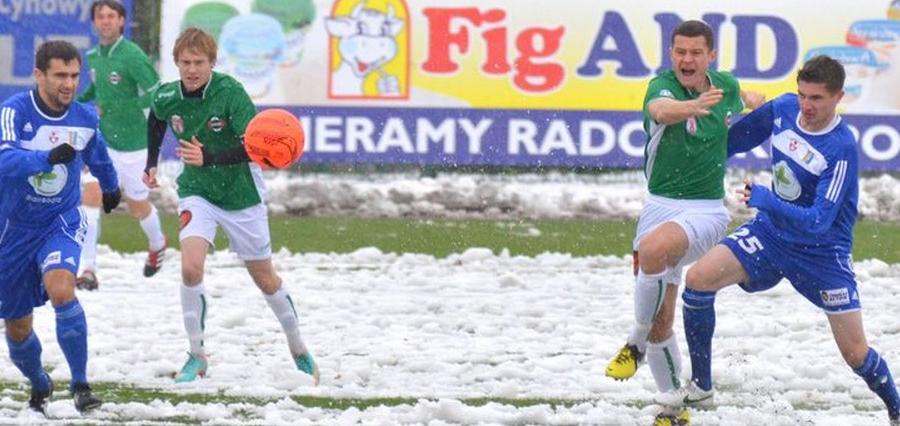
218,186
122,79
687,111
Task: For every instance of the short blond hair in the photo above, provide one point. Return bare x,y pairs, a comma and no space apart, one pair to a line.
199,41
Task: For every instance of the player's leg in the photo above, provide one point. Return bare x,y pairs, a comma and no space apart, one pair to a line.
865,361
658,243
249,237
57,258
130,169
91,202
198,230
21,290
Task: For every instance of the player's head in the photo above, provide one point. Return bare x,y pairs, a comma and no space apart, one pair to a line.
693,49
820,87
57,66
195,55
108,17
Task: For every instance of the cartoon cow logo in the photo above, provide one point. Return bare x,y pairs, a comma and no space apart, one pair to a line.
370,52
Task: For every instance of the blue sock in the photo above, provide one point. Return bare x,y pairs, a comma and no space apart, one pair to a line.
699,324
71,333
877,375
26,356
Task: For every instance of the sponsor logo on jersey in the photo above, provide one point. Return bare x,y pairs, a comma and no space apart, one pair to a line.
778,122
836,297
215,124
177,124
114,78
785,181
49,183
70,260
691,124
28,127
53,258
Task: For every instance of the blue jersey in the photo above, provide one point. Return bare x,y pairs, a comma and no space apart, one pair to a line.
34,192
814,192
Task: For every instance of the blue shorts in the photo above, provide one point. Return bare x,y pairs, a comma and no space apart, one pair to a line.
26,253
823,275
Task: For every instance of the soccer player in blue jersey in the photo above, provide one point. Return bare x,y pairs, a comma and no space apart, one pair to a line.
45,141
803,231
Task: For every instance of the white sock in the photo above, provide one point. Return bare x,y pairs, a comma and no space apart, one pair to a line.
193,310
89,248
664,359
649,292
153,229
283,307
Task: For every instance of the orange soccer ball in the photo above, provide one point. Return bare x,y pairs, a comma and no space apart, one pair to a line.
274,139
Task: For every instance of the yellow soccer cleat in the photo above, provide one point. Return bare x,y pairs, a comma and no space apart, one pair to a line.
682,418
625,364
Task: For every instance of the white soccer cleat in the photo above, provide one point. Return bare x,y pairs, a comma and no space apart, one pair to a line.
686,396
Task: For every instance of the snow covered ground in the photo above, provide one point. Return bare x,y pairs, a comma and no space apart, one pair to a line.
472,325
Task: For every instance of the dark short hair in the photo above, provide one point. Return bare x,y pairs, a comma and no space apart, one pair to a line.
55,49
823,69
119,8
694,28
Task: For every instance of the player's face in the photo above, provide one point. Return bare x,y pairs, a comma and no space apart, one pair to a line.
108,24
690,60
56,87
195,69
817,105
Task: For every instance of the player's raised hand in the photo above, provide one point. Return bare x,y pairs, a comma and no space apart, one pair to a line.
706,100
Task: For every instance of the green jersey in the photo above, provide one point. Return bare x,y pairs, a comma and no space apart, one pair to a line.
686,160
217,119
122,79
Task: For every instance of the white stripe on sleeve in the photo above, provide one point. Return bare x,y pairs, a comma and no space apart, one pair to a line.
837,181
7,120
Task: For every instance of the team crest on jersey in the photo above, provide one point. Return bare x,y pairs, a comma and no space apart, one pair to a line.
728,116
115,78
215,124
665,93
785,182
177,124
691,125
54,137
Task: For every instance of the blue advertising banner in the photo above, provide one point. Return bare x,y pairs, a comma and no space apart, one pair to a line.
457,136
24,25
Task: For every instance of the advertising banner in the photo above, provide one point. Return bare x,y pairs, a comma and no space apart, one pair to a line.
25,24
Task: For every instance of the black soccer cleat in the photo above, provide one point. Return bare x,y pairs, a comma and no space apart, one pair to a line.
41,399
84,399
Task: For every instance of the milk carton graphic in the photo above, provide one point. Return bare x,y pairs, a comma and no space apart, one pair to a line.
860,64
369,52
296,17
880,35
209,16
893,11
253,46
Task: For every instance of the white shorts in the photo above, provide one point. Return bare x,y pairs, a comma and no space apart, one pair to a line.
130,168
247,229
704,222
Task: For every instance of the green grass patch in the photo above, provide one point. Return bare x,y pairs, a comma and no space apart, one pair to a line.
442,237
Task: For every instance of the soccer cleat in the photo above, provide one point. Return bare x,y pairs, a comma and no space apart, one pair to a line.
677,418
195,366
625,364
41,399
155,260
87,281
686,396
84,399
307,364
